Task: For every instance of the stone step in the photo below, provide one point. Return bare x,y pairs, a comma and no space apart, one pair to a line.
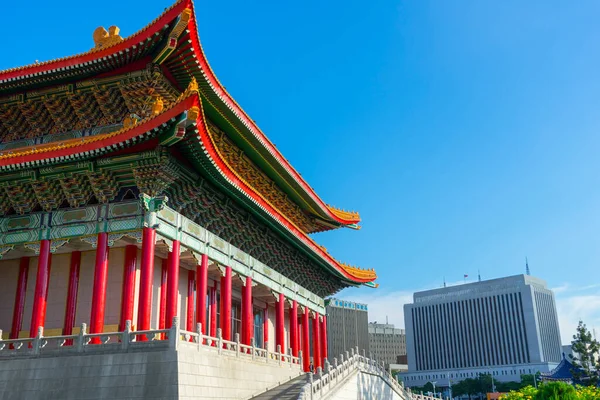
287,391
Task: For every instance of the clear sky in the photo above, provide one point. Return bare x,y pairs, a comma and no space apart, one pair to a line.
464,132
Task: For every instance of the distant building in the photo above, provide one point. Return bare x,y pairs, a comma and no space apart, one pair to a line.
346,327
506,326
387,343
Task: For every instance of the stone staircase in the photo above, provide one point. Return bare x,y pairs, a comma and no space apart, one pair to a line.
290,390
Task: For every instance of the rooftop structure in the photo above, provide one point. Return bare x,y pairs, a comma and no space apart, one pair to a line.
134,188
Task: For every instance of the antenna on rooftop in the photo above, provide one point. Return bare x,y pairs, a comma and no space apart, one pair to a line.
479,275
444,281
386,320
527,267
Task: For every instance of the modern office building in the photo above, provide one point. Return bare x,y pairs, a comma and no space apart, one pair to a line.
506,326
346,326
387,343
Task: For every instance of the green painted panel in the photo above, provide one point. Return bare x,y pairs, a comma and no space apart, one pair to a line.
20,237
73,230
86,214
124,224
124,209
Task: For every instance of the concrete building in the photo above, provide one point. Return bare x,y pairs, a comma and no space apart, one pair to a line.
346,326
506,326
386,342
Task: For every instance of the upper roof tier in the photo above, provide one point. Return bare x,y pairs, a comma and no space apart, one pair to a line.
171,41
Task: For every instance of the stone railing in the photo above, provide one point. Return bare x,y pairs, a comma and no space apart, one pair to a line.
127,340
322,384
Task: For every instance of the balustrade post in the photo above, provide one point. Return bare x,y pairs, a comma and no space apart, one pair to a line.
219,340
290,356
253,342
126,335
267,351
237,344
300,359
37,341
311,382
279,352
199,332
1,345
174,333
81,338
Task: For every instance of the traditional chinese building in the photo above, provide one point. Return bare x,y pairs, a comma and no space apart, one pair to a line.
134,188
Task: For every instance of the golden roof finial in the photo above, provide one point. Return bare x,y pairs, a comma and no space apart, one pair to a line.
104,38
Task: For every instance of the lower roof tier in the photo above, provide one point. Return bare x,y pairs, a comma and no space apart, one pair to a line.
172,153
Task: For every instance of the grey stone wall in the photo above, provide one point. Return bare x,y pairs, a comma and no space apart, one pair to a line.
154,372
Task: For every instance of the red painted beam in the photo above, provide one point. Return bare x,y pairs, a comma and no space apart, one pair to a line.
173,284
324,340
201,289
294,328
247,313
305,340
213,310
128,291
42,281
189,325
225,320
280,323
99,290
162,305
316,342
19,307
72,290
146,279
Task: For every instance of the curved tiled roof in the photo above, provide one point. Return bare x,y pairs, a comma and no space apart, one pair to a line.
209,83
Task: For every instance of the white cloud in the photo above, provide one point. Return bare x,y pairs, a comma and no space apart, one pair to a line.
383,304
573,306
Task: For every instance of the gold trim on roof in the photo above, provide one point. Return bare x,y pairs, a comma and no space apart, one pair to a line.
347,215
359,272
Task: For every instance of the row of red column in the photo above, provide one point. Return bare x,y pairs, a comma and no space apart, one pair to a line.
168,301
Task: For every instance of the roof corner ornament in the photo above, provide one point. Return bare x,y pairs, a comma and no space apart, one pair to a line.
104,38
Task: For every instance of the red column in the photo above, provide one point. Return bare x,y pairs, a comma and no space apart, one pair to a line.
294,328
71,306
17,320
266,326
213,310
128,292
100,281
324,340
247,313
305,340
189,324
162,306
146,278
316,342
42,280
225,321
201,288
173,284
280,323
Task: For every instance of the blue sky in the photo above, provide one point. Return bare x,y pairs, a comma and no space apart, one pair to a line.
464,132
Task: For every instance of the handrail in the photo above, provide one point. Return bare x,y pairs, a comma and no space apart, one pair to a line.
334,376
173,337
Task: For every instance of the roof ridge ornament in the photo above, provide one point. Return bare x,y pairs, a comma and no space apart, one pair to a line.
104,38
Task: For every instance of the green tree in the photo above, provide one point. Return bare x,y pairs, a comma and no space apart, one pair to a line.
585,357
556,391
